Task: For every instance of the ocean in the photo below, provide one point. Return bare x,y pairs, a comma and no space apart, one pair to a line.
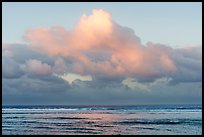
102,120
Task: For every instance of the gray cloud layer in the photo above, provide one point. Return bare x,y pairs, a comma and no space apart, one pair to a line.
24,85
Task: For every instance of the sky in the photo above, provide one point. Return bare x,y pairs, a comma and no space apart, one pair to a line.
101,53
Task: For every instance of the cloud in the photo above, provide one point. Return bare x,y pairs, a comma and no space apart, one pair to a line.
20,59
101,46
70,77
98,46
189,65
55,91
36,67
23,52
134,84
10,68
35,90
103,62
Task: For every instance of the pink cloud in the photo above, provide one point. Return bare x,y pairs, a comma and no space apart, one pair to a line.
97,35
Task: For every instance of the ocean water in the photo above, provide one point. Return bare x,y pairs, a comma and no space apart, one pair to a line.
102,120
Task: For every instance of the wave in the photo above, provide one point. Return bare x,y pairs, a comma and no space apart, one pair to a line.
162,121
47,108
